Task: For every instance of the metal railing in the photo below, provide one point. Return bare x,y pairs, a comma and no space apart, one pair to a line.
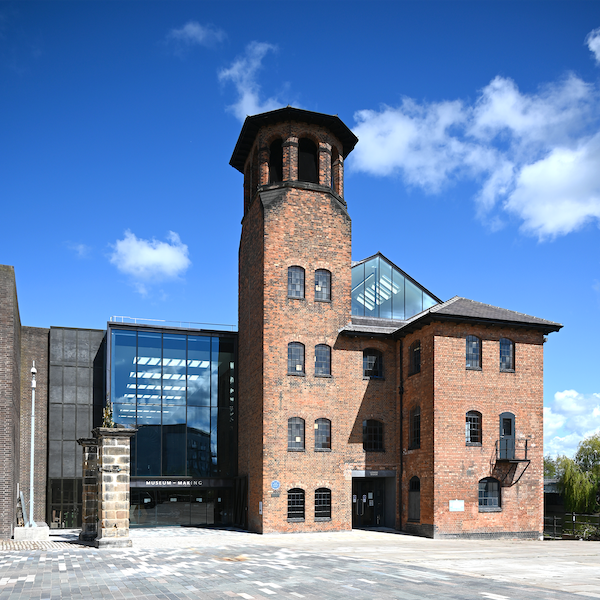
179,324
572,526
509,449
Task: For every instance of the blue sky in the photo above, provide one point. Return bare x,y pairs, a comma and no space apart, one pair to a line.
477,169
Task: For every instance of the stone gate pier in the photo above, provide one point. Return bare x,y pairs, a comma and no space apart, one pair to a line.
106,478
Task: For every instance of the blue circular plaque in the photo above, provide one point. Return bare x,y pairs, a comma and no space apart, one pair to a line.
275,485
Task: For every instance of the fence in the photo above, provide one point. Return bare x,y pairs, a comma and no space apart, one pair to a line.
572,526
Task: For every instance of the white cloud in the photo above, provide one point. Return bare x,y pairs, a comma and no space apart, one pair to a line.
194,34
593,43
149,261
569,418
82,250
534,156
242,73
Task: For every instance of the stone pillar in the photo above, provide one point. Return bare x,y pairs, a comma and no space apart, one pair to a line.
89,517
113,486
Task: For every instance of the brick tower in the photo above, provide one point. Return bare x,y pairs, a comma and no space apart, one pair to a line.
294,297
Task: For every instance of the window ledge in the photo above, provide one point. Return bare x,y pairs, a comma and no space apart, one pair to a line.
413,520
490,509
372,450
507,370
324,376
322,519
326,301
414,447
374,377
473,368
298,374
295,520
296,298
296,449
322,449
473,444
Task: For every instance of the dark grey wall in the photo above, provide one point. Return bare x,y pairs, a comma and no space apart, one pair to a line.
76,395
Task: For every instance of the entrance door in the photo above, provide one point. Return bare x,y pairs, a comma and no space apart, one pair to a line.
368,502
507,436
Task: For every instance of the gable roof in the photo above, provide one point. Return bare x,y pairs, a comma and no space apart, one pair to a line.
456,309
463,309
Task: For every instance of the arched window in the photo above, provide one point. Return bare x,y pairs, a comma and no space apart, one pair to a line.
473,352
276,162
415,428
295,358
295,282
322,434
322,360
373,436
295,433
322,285
308,164
473,428
335,174
507,355
296,504
414,356
414,499
255,173
489,494
323,503
372,363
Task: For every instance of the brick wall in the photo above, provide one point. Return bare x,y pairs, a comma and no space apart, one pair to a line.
10,364
34,346
296,223
447,467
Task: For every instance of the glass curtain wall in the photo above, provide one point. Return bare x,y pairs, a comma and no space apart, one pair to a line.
379,290
179,391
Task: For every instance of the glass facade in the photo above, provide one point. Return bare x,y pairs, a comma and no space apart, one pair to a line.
178,389
380,290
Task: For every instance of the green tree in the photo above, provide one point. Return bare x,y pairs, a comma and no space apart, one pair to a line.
549,467
579,478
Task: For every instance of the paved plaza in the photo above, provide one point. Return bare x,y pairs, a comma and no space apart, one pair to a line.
186,563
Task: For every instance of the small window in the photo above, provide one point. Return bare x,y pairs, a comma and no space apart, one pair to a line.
507,355
473,428
323,503
276,162
489,494
414,499
473,354
414,355
322,360
308,164
322,434
295,433
373,436
372,363
322,285
295,282
415,428
295,358
296,504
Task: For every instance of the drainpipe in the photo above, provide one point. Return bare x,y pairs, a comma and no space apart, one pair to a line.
401,394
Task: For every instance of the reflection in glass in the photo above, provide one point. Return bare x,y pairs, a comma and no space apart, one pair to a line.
379,290
198,393
185,411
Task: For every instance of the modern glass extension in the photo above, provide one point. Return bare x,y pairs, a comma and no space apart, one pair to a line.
382,290
179,390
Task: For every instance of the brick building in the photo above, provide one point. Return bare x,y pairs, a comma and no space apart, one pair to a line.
351,395
366,401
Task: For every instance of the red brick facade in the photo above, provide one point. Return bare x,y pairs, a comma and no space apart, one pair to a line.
292,223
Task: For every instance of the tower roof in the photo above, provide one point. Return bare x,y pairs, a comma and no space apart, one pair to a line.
254,123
